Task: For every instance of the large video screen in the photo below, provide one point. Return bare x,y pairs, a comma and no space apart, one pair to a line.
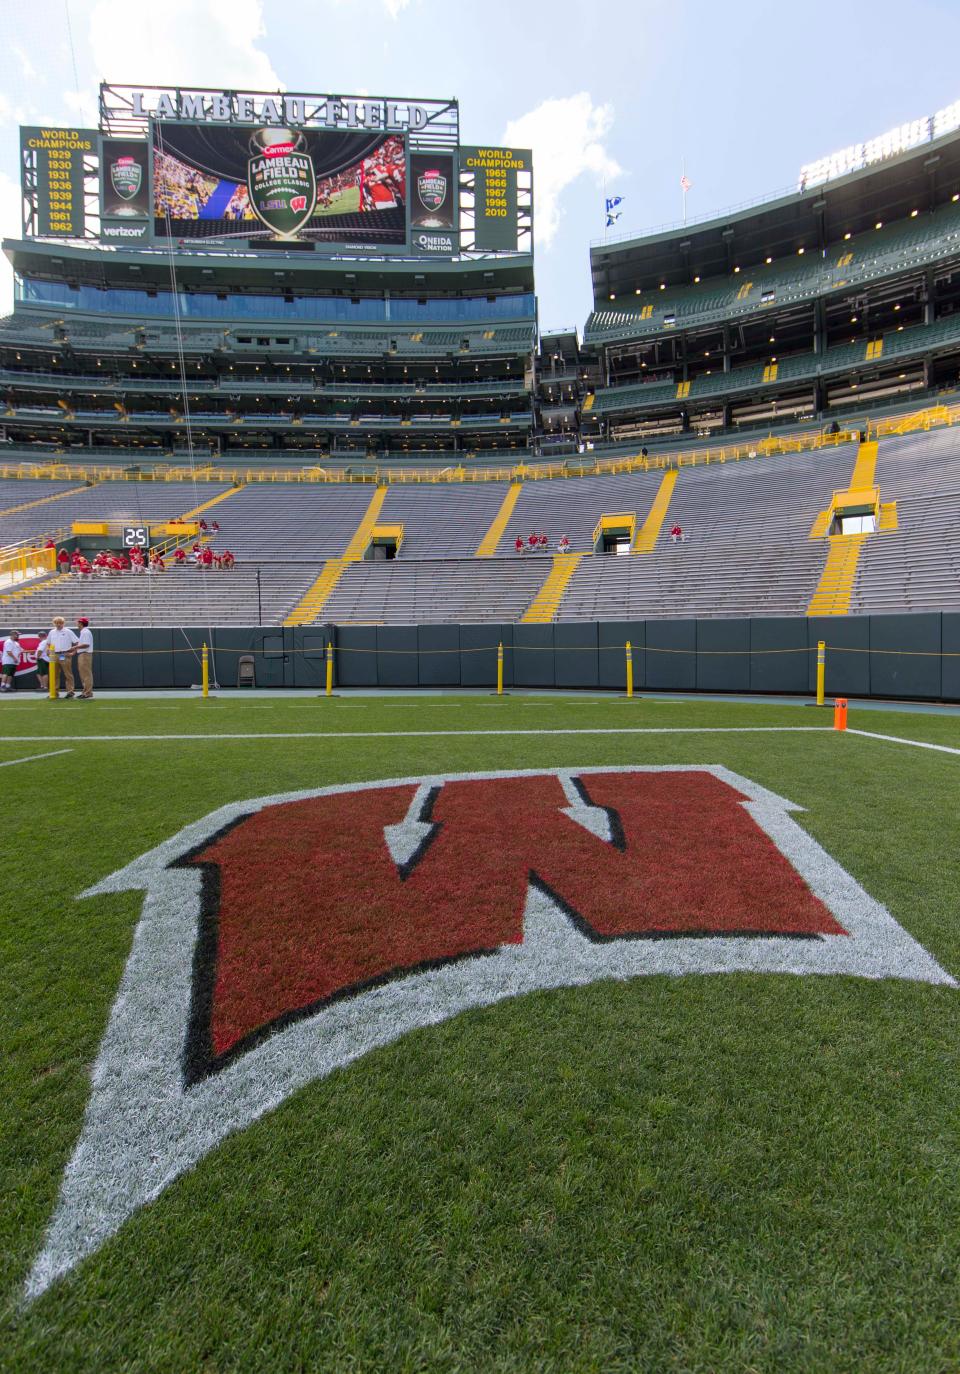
268,183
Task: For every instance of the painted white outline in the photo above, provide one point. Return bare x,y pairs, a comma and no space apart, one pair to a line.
143,1129
8,763
896,739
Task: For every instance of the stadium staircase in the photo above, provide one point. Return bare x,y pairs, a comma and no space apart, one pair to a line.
835,589
832,596
544,606
197,511
311,607
488,544
42,500
646,537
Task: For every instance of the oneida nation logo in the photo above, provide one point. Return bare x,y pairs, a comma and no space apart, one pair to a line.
432,189
125,177
285,937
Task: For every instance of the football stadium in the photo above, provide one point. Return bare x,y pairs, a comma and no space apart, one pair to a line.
302,511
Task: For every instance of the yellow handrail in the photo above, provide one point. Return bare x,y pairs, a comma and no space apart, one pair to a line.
587,466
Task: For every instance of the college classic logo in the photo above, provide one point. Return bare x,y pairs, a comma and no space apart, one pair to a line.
432,188
281,180
125,177
285,937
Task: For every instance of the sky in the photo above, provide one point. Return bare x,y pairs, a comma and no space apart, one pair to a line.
614,98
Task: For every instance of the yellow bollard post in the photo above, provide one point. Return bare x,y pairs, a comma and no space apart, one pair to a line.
821,669
205,670
53,675
500,670
330,669
629,648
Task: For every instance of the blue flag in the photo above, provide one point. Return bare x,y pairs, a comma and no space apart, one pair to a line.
612,212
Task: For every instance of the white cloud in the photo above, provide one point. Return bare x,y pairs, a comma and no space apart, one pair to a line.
203,42
567,138
26,66
394,7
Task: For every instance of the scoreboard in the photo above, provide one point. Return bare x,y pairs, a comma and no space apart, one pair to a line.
495,173
259,171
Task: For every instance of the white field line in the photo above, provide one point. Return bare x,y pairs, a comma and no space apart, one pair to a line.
438,734
896,739
8,763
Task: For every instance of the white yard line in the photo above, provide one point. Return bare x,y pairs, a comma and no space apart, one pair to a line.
439,734
8,763
896,739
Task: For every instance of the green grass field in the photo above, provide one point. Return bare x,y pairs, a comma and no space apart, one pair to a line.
730,1172
345,202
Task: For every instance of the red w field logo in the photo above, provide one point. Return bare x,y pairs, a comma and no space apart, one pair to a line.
286,937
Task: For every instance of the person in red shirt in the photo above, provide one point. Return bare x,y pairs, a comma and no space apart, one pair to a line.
519,544
156,563
228,559
203,526
205,558
179,556
532,543
544,543
564,545
63,558
84,569
676,534
49,544
215,527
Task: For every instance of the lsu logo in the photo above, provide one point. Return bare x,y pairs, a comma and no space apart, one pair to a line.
285,937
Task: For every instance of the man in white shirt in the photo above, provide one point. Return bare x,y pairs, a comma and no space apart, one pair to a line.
61,643
10,661
43,662
85,657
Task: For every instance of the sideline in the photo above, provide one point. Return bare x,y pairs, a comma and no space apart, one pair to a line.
896,739
437,734
8,763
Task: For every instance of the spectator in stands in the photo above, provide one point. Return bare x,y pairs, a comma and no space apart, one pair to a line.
61,645
179,557
84,569
228,559
49,544
564,544
677,535
519,544
43,665
544,543
157,564
63,559
84,656
205,558
532,543
215,527
10,658
203,526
